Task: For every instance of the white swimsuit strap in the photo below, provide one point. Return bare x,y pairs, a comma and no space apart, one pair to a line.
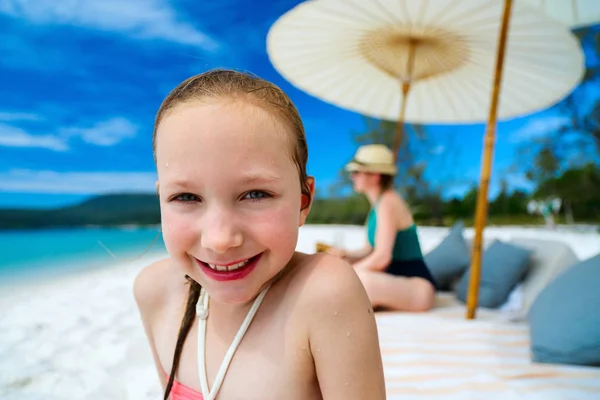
202,313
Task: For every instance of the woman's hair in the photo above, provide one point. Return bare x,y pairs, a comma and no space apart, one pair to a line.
385,182
221,84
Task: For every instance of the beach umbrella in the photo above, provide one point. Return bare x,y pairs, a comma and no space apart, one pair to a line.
429,62
424,61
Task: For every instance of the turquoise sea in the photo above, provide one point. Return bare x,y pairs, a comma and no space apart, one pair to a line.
43,253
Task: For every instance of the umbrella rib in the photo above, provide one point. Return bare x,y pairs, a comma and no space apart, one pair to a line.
390,97
477,89
483,48
482,6
408,19
575,11
364,10
440,61
443,87
516,59
451,78
490,22
477,86
538,84
313,60
418,99
345,15
423,9
331,78
518,98
388,12
434,19
520,94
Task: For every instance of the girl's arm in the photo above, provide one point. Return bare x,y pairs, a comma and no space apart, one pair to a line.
148,301
343,336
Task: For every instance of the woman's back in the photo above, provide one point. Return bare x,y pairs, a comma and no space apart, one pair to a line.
406,245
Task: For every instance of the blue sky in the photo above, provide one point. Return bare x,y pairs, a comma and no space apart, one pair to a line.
82,80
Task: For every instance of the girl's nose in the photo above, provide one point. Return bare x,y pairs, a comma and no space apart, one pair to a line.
220,233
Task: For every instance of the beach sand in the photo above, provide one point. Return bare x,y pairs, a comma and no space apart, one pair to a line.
80,336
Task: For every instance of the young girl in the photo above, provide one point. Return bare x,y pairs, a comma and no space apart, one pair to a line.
391,265
234,311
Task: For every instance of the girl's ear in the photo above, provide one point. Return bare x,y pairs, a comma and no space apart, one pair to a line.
157,190
306,201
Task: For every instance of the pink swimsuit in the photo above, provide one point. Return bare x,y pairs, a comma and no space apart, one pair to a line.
181,392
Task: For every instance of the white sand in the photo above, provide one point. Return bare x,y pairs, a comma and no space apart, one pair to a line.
79,337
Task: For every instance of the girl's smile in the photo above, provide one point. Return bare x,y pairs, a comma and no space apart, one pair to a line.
231,271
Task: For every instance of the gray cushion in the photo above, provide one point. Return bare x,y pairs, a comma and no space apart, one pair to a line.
503,265
564,319
449,259
549,259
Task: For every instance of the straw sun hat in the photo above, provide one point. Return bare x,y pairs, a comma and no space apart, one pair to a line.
374,158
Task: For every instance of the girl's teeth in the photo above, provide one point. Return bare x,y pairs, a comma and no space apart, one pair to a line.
229,268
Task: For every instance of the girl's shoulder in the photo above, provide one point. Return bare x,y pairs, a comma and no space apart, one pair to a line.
327,285
152,287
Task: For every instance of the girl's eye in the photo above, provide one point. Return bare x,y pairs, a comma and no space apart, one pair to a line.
256,195
186,197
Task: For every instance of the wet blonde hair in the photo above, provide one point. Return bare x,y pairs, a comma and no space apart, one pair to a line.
222,84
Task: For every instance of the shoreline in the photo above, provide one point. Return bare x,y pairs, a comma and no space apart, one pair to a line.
351,236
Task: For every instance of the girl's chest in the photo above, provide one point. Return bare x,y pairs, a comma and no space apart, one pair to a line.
272,361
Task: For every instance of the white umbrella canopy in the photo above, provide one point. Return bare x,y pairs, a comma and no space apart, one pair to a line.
357,54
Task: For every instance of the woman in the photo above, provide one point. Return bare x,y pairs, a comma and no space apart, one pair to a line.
391,265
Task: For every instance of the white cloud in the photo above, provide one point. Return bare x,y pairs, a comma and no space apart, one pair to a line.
145,19
11,136
21,180
539,128
18,116
105,133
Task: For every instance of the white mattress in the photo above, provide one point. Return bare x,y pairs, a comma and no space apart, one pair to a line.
441,355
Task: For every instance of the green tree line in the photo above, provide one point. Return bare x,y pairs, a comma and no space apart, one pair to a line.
579,189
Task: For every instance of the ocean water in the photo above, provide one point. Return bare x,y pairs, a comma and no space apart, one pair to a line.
30,254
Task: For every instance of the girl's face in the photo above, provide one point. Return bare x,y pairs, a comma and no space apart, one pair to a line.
229,196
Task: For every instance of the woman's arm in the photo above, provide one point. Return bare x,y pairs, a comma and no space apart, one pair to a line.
343,336
352,255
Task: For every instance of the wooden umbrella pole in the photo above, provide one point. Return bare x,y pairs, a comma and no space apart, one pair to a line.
400,124
482,195
405,90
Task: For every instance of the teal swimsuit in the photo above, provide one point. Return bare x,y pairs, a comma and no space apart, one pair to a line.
407,258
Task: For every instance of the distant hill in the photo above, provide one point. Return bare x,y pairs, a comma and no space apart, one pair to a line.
105,210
